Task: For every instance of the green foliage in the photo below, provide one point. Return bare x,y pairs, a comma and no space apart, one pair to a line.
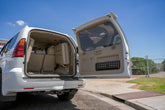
152,67
140,66
164,64
151,84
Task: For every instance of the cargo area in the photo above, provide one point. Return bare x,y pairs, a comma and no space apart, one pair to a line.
49,54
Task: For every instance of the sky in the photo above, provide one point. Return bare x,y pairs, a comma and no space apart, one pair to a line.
143,21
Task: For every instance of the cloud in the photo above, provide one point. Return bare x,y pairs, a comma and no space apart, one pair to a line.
11,24
20,22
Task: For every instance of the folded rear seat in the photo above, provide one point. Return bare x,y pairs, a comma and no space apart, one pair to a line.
49,61
36,61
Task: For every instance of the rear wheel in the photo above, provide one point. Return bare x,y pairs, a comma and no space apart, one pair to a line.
67,94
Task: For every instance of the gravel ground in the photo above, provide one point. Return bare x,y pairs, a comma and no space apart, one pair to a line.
82,101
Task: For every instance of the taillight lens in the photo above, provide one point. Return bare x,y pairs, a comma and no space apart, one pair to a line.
19,49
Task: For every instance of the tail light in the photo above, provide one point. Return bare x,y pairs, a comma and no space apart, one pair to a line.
19,49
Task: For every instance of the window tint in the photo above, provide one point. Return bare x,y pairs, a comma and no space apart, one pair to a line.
6,47
9,44
13,41
0,48
101,35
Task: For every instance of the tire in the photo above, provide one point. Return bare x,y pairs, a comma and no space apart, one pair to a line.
65,96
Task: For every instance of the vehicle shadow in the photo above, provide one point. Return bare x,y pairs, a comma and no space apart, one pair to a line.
40,102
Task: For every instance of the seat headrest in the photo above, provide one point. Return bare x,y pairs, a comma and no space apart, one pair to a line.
39,52
51,51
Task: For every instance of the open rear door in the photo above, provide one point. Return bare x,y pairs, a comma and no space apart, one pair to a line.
103,49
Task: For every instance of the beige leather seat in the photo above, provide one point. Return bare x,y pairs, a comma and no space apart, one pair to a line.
49,61
62,54
36,61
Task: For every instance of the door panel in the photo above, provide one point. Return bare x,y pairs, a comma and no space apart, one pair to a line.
103,50
106,59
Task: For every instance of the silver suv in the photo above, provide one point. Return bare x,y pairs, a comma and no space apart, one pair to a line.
38,60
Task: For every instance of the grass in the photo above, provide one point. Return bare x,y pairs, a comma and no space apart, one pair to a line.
150,84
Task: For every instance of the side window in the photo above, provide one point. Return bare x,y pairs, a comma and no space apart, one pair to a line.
1,53
6,47
13,41
9,44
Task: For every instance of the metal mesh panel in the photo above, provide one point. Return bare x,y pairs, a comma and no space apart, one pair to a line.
111,65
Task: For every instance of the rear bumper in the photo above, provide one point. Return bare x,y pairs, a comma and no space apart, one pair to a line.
13,82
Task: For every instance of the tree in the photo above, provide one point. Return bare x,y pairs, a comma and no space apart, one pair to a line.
140,67
163,64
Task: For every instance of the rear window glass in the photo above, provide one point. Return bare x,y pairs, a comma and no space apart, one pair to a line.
102,35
